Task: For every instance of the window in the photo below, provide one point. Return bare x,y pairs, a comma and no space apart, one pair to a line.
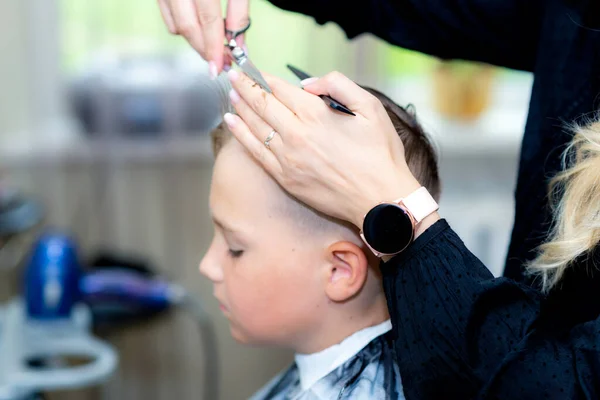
276,39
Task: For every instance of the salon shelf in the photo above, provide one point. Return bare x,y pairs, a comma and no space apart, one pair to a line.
117,150
498,131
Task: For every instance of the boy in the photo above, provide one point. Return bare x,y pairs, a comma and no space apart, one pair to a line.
286,275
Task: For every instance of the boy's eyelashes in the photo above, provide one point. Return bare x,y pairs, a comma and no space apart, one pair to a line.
235,253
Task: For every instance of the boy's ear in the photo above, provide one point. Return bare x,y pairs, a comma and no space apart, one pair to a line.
347,270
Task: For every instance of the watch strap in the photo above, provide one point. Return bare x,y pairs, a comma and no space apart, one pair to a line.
420,204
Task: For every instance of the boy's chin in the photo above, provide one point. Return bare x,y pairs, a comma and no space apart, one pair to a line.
239,336
245,339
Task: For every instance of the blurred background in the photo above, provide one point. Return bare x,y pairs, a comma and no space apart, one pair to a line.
104,118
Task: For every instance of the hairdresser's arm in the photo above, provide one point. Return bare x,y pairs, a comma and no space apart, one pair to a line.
454,325
500,32
459,333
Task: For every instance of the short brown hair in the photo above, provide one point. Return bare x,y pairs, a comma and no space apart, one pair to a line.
420,155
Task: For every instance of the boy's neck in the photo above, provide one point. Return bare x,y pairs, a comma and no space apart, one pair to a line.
341,324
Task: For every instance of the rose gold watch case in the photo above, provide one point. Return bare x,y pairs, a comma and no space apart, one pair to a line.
397,203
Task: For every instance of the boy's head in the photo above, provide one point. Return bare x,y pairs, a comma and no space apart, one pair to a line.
284,273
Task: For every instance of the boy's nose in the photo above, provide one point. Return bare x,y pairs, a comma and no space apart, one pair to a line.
210,268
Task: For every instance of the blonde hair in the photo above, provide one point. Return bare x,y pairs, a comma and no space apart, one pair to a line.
575,194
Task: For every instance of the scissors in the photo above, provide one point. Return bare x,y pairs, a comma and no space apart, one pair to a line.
240,57
336,105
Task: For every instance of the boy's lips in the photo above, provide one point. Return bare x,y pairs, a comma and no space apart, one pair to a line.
222,306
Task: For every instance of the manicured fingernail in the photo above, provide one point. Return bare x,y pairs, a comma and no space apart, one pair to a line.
233,75
234,96
226,67
212,69
308,81
229,119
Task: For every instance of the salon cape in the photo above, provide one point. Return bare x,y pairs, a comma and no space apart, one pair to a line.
360,367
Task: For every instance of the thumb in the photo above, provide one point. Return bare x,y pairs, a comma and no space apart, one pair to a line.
237,17
341,88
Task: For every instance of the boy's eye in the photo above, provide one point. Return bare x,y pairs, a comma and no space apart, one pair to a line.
236,253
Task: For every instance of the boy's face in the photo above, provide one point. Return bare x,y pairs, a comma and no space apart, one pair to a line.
265,271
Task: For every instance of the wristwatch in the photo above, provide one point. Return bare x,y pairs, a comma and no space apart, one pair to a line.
388,228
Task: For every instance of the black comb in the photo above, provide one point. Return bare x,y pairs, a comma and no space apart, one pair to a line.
336,105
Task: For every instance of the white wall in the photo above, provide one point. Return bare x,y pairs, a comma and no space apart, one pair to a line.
32,110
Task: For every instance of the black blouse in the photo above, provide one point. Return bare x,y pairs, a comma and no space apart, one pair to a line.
461,333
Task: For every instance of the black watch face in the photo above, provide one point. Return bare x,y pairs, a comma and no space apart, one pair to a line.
388,228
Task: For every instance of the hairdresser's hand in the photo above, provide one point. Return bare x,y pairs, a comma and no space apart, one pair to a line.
200,22
340,165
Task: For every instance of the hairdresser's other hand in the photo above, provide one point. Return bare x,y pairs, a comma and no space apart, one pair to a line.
340,165
200,22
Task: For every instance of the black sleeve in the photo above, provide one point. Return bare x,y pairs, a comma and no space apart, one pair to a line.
499,32
460,333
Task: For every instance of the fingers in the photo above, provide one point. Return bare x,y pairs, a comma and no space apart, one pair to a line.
237,17
201,24
263,104
255,147
257,125
227,60
293,97
343,89
213,31
165,11
187,24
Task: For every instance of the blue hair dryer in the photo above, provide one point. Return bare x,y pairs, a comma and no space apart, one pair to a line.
52,278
